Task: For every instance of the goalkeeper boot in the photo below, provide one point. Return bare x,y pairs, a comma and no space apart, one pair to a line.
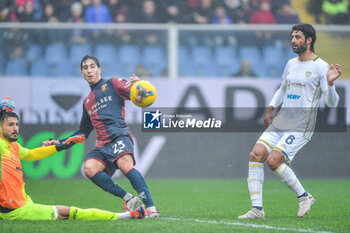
305,204
253,213
152,212
139,213
131,204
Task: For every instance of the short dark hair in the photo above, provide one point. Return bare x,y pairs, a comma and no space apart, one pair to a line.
6,114
308,31
89,57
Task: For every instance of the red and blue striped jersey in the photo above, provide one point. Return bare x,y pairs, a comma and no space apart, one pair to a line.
104,110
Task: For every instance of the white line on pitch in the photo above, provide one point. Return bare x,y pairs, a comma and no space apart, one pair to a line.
246,225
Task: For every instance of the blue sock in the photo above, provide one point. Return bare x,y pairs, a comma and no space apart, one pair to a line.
105,182
138,183
304,195
258,207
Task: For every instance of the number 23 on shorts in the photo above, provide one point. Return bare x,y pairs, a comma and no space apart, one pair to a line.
118,147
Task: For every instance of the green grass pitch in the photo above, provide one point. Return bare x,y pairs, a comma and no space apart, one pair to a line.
194,205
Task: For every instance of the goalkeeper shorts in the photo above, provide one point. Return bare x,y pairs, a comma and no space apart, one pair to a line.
31,211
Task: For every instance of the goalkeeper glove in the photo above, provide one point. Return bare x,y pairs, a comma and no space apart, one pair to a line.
7,105
66,144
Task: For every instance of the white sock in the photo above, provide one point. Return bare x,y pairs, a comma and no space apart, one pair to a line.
153,208
127,197
255,182
125,215
288,177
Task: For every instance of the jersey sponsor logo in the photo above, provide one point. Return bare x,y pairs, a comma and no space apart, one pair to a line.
104,100
289,84
152,119
308,74
101,103
293,97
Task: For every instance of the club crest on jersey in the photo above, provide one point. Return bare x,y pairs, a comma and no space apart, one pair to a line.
104,87
308,74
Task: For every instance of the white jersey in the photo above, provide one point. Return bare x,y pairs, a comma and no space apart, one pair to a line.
303,84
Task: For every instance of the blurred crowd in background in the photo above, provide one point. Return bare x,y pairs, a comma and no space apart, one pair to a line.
169,11
149,11
32,48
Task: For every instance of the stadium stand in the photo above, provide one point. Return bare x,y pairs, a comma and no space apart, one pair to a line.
77,51
39,68
201,57
227,60
131,50
271,57
17,67
55,53
154,59
253,54
34,52
184,61
129,58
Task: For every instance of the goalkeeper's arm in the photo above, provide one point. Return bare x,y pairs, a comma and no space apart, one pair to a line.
46,151
40,153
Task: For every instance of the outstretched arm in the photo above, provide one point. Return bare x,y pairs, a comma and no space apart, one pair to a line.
46,151
85,128
40,153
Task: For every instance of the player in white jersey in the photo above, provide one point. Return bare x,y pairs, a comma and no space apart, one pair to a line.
305,79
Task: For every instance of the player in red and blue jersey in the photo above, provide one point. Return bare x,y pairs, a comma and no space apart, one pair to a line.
103,111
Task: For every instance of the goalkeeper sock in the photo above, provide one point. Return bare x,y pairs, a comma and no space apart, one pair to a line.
105,182
92,214
255,183
288,177
138,183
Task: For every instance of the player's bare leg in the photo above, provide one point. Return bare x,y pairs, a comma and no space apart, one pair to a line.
276,162
255,181
126,165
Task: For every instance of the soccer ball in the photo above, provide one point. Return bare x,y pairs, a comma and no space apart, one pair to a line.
143,93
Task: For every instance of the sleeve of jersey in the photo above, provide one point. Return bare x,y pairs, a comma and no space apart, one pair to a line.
329,93
331,96
23,152
122,88
85,126
277,98
37,153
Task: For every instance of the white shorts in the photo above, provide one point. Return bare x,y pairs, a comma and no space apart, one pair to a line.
288,143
